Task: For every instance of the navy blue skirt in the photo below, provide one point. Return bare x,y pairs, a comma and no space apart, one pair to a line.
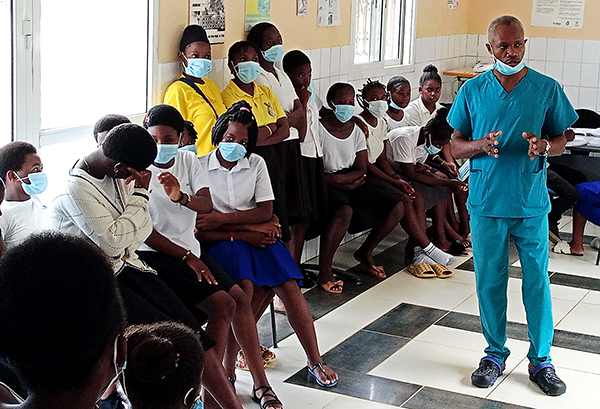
268,267
589,201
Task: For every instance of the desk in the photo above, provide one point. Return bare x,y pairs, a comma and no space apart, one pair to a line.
460,73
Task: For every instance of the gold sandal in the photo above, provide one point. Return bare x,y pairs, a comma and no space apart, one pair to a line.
441,271
422,270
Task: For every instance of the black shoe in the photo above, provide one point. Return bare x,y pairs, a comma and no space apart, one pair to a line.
545,377
489,370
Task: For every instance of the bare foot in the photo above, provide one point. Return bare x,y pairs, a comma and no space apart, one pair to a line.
368,262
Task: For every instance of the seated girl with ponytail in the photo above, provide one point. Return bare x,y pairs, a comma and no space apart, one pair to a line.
398,89
164,366
246,237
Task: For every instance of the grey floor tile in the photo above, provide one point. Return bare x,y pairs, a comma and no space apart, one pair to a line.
430,398
568,280
406,320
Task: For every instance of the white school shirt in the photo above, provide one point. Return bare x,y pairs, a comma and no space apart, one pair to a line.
338,153
393,124
172,220
376,139
240,188
418,114
312,147
403,146
19,220
283,89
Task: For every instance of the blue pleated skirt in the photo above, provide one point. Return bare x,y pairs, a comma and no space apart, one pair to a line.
268,267
589,201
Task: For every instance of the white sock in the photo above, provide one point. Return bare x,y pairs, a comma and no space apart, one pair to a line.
421,257
438,255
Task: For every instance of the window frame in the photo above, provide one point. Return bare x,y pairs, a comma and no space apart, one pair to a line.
383,67
27,73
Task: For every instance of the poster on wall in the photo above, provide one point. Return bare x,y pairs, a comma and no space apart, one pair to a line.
329,13
257,11
209,14
452,4
302,8
558,13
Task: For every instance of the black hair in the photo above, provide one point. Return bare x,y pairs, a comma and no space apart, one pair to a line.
164,361
239,47
191,34
108,122
396,82
12,156
189,126
240,112
430,72
294,59
59,310
256,33
438,126
164,115
131,145
334,89
367,86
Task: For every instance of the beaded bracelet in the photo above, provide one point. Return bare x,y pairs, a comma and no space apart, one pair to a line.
184,258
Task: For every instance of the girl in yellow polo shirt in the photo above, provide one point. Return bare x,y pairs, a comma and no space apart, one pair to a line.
273,126
196,97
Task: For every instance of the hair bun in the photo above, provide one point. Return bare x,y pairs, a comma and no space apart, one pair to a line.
430,68
442,113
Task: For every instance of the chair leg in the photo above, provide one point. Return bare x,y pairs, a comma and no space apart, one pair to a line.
598,257
273,324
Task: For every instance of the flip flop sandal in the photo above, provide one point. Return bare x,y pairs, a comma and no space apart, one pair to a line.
334,287
268,393
268,356
376,271
313,373
441,271
458,249
422,270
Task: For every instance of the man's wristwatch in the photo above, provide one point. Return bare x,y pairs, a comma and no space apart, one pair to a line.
547,150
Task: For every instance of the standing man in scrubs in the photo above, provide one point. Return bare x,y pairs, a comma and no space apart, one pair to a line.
507,121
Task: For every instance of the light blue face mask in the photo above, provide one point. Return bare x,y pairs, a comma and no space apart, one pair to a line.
198,67
274,53
506,69
378,108
344,112
311,89
166,152
432,149
232,151
247,71
191,148
118,372
38,182
197,403
394,105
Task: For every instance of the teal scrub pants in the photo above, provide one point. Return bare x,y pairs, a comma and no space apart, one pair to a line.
490,238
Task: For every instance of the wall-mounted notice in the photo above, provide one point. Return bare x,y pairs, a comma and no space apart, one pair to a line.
452,4
209,14
257,11
329,13
558,13
302,7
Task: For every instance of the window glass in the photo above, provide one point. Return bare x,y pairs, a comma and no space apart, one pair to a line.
5,72
93,60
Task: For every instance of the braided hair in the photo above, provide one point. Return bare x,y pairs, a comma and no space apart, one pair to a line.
164,361
369,85
240,112
438,126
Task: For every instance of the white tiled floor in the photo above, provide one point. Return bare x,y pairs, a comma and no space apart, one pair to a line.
442,357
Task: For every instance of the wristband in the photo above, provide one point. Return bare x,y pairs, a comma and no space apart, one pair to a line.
180,198
184,258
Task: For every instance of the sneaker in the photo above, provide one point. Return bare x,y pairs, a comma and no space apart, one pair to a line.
545,377
489,370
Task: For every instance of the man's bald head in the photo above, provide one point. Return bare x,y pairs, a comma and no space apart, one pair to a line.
505,21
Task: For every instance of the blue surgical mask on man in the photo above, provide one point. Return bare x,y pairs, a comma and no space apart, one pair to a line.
247,71
432,149
274,54
344,112
198,67
232,151
166,152
38,182
506,69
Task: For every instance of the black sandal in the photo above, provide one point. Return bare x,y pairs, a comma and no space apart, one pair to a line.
268,392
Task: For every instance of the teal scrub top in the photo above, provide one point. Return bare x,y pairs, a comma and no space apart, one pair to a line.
512,185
